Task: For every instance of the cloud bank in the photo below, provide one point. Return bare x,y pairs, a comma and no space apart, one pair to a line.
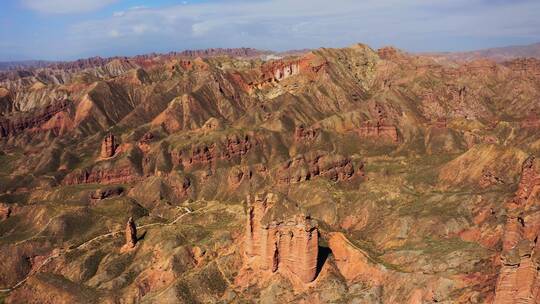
415,25
66,6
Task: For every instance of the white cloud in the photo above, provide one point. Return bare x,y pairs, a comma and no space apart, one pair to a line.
415,25
114,33
285,24
65,6
138,7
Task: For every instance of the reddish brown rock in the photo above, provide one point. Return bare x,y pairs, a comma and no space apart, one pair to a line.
489,179
11,126
518,280
5,211
379,130
305,167
236,146
272,72
117,175
352,262
303,133
273,244
233,147
131,233
108,146
145,142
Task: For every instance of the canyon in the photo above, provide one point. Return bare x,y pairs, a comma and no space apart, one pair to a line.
331,175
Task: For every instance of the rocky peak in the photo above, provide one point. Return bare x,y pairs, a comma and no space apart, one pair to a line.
5,211
108,146
277,241
131,234
519,279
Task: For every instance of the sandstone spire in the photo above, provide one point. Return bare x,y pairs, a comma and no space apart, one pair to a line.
131,233
5,211
519,280
108,146
277,240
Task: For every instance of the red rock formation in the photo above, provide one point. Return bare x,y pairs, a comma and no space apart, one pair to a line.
519,280
303,133
207,154
125,174
275,71
274,244
11,126
108,146
306,167
379,130
5,211
236,146
488,179
131,234
352,262
145,141
279,70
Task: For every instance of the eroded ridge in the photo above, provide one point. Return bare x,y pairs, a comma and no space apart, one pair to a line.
277,241
518,280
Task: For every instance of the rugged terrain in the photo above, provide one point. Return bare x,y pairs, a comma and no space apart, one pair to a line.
329,176
500,54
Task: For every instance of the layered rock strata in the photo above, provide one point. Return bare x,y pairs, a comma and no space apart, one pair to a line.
379,130
11,126
116,175
108,146
305,167
518,280
5,211
273,244
131,233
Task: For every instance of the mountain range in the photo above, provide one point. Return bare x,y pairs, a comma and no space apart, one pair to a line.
332,175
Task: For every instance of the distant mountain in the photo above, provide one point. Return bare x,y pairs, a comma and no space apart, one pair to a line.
100,61
345,175
17,65
497,54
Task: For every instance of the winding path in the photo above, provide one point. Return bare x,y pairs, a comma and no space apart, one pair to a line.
58,253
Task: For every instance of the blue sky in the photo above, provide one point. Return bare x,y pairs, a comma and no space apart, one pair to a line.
71,29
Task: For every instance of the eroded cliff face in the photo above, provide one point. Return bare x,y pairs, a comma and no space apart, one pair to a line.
285,243
405,165
108,146
518,280
305,167
34,121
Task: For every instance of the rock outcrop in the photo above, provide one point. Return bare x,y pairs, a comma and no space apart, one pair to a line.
108,146
519,280
379,130
11,126
304,134
229,148
277,240
5,211
305,167
104,193
131,234
352,262
116,175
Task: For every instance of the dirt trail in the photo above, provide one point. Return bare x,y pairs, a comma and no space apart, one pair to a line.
60,252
